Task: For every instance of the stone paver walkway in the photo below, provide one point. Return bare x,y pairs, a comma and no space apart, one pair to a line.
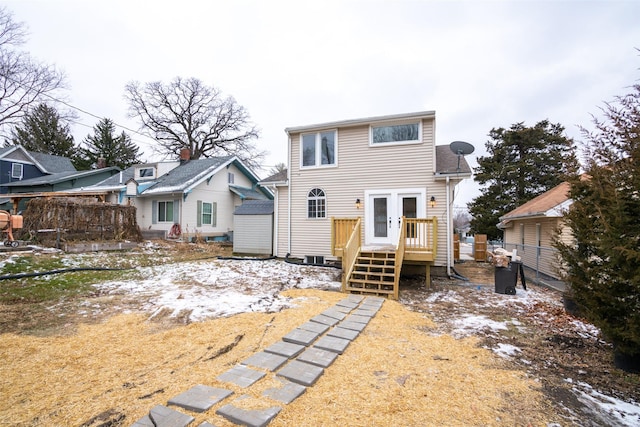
298,360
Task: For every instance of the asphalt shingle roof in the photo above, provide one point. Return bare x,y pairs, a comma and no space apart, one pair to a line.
255,207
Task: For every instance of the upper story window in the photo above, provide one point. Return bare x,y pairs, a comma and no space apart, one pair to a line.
319,149
316,204
231,178
396,134
16,170
146,173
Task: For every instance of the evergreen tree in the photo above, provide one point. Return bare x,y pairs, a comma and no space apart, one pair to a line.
602,264
43,131
522,163
117,150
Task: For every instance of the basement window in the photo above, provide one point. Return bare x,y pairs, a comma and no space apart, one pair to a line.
314,259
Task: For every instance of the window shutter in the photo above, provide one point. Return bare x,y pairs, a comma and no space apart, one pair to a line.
214,214
199,214
176,211
154,212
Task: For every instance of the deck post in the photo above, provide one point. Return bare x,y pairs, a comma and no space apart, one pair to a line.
428,276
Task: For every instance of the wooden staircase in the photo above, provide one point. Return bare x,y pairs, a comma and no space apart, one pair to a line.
374,273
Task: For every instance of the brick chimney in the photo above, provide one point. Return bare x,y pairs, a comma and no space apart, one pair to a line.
185,155
101,163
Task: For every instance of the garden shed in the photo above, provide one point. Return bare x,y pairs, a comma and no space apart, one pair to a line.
253,227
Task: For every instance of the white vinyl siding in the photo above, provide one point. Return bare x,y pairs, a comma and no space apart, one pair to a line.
361,167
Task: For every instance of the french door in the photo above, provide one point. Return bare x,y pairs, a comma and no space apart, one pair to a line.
384,210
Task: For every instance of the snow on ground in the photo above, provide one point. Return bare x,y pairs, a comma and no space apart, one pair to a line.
220,287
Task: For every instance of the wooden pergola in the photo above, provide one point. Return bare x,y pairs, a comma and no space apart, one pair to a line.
17,197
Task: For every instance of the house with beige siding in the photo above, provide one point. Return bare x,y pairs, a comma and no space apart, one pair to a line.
374,194
532,227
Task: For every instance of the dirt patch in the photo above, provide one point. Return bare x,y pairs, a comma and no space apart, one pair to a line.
565,353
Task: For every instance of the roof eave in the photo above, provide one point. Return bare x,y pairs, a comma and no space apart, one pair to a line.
363,121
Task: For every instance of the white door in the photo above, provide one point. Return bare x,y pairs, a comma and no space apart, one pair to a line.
384,210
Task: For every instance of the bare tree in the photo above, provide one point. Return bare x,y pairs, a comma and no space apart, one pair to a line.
186,113
461,220
24,82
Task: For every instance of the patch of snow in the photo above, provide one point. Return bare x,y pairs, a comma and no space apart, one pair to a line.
506,350
218,287
610,410
469,324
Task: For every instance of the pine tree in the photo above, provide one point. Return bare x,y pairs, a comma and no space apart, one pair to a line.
522,162
603,263
43,131
117,151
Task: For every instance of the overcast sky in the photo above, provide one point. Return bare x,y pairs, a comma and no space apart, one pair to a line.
478,64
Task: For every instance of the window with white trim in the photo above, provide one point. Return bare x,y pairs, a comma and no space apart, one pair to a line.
165,211
16,170
230,178
318,149
207,211
316,204
407,133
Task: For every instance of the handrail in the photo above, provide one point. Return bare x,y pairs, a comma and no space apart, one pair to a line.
399,258
341,230
350,253
421,234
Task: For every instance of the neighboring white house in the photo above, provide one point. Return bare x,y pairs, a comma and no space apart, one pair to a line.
378,170
185,198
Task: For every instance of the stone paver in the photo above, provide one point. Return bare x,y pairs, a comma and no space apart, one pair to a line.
355,326
347,334
325,320
241,375
314,327
368,312
301,373
335,344
251,418
330,332
199,398
266,360
336,314
358,319
287,393
285,349
161,416
347,304
317,356
301,336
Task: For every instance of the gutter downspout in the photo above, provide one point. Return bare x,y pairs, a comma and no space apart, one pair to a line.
289,194
448,228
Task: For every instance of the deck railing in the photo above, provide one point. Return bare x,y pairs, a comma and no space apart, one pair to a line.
341,230
421,236
350,252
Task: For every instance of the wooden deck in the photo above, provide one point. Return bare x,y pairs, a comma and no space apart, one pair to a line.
376,271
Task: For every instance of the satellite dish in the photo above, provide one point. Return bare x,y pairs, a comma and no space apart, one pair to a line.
461,148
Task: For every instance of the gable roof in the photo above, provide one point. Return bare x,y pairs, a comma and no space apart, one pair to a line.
53,164
276,178
551,203
185,177
59,177
363,121
47,163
